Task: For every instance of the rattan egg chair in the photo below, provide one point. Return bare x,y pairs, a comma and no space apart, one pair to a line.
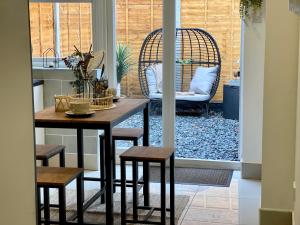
194,48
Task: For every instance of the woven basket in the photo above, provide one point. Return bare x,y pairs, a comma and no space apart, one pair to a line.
62,103
102,103
96,103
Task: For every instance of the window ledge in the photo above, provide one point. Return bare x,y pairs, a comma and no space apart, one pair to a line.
49,69
37,82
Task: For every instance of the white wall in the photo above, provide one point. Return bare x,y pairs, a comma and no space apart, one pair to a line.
38,99
279,111
252,82
17,164
297,158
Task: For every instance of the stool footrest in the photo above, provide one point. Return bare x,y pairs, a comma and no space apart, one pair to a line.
57,222
117,182
50,221
142,222
149,208
149,214
93,199
54,205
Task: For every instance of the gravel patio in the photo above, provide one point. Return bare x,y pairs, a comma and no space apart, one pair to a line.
197,137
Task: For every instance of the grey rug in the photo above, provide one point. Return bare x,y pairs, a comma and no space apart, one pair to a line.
207,177
96,212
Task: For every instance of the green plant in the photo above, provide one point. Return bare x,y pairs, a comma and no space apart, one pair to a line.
185,61
123,61
246,6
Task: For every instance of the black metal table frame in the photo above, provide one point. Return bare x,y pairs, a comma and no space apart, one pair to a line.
107,128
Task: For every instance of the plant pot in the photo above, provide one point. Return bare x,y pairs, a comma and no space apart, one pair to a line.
118,90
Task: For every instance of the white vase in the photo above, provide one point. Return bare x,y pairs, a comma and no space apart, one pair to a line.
118,89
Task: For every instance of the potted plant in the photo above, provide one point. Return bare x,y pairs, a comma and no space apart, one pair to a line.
123,64
248,7
83,64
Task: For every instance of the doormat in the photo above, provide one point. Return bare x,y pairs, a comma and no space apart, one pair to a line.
195,176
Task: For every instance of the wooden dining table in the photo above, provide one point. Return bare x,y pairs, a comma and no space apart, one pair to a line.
102,120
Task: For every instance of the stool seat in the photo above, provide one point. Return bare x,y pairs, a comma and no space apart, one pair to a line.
59,178
127,133
56,176
48,151
145,153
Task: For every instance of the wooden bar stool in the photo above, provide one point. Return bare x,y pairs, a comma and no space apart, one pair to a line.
118,134
45,152
150,155
59,178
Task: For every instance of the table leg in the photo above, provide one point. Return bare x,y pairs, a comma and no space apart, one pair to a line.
146,126
135,194
172,190
80,160
146,164
108,175
80,200
163,192
80,153
123,192
102,167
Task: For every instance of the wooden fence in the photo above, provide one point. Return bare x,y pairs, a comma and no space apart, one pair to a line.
75,27
135,20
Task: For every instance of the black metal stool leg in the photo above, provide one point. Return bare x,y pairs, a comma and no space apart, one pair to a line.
146,188
123,192
62,158
38,192
135,198
114,162
102,168
45,163
172,190
80,199
62,205
46,206
135,142
163,192
207,110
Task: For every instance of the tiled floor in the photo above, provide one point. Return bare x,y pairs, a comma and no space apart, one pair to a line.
237,204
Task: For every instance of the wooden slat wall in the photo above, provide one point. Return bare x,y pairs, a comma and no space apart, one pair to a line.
75,27
221,19
136,18
41,23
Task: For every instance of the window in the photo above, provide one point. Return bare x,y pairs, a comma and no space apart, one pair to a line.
60,26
